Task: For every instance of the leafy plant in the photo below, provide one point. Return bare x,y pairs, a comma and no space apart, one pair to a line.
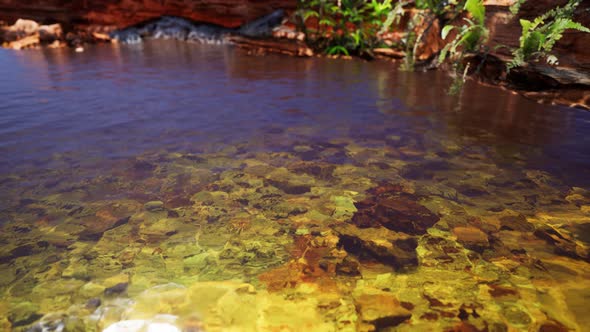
436,10
337,49
411,42
436,6
344,26
394,16
468,39
516,6
440,7
469,36
540,35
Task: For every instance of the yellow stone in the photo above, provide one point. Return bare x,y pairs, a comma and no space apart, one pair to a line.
115,280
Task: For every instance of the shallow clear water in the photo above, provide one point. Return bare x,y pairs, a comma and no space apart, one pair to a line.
345,194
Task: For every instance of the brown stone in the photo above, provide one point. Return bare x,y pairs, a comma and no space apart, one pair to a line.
464,327
516,223
25,42
389,52
101,36
320,170
394,249
562,244
399,214
348,266
50,33
381,309
283,46
501,291
553,326
471,238
389,206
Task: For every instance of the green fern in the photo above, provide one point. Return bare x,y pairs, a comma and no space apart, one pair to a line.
333,34
394,16
540,35
515,8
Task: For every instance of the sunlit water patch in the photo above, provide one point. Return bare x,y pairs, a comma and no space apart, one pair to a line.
196,186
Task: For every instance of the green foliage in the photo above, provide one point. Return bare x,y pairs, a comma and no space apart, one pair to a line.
442,10
459,79
440,7
540,35
411,42
437,6
337,49
345,26
516,6
469,36
394,16
477,10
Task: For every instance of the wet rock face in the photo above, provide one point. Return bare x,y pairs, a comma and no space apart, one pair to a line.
394,210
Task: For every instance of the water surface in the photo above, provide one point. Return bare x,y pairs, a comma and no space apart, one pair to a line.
174,168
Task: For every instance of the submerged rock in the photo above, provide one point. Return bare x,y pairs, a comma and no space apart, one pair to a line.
319,170
471,238
118,289
516,223
562,244
23,313
154,206
348,266
21,251
397,211
390,248
380,309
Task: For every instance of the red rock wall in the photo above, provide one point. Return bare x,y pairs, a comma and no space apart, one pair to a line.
121,13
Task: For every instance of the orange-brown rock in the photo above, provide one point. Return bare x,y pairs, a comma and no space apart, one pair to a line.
380,310
25,42
283,46
471,237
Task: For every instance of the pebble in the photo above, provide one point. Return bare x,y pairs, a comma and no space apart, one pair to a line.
154,206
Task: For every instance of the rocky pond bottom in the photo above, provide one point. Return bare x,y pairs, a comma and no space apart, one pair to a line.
383,226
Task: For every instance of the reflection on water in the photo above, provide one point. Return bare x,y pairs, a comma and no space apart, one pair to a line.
267,193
